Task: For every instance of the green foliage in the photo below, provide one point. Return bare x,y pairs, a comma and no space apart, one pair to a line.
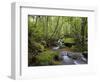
76,48
36,48
46,57
69,40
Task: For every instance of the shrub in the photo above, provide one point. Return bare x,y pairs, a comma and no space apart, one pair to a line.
36,48
43,42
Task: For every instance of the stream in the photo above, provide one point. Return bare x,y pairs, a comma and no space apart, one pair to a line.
66,60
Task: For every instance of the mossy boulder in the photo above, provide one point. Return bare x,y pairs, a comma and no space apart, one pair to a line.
46,57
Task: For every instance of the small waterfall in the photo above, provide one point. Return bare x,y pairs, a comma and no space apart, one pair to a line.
69,60
66,59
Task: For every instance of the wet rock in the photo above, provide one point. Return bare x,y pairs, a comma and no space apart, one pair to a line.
65,59
74,55
85,54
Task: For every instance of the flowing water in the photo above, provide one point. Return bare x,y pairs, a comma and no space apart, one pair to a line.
66,60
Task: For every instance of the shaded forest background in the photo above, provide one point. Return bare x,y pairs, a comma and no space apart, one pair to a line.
46,32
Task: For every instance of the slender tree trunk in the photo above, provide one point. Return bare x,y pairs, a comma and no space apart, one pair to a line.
46,29
55,28
58,32
82,32
36,21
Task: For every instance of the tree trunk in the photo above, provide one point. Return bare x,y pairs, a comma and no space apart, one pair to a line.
55,28
82,33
